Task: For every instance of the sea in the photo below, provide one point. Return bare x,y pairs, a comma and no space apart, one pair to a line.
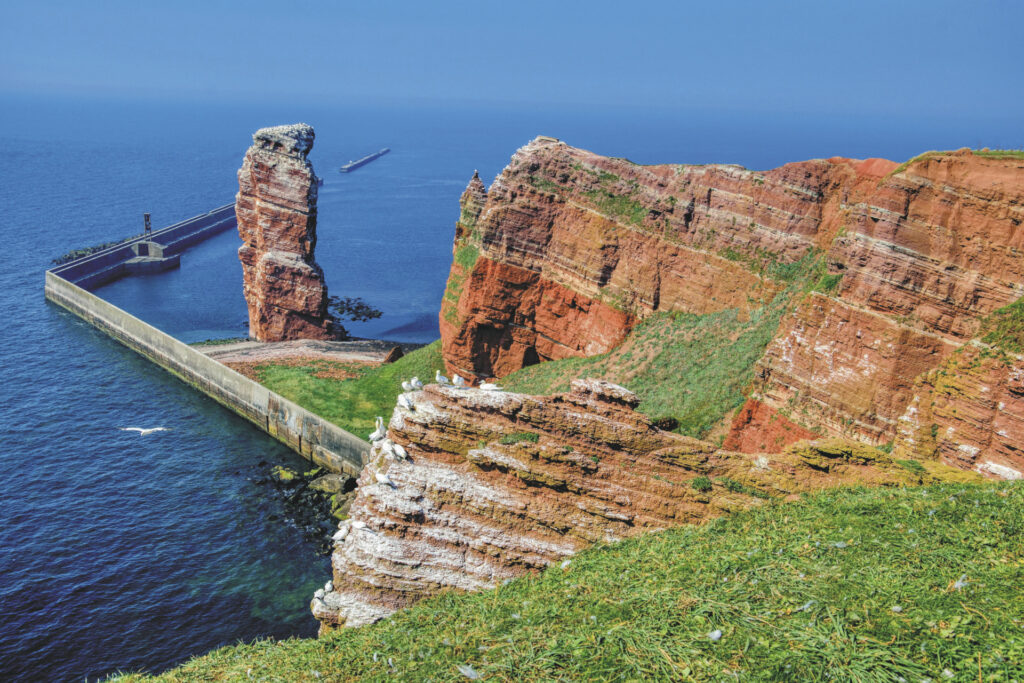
122,552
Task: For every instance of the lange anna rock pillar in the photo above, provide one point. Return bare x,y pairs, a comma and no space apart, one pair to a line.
276,210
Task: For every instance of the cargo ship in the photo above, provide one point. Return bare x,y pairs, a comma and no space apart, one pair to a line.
353,165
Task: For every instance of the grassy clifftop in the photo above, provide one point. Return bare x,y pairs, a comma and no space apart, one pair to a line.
866,584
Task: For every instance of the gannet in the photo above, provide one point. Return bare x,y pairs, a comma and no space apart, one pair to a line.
458,381
439,378
487,386
400,452
416,383
143,432
378,433
383,479
406,402
406,386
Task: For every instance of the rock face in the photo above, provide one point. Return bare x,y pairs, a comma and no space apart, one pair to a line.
493,485
567,250
276,211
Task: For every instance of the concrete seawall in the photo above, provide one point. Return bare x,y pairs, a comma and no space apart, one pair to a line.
322,442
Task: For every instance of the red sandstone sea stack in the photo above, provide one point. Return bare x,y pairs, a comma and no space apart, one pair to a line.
276,210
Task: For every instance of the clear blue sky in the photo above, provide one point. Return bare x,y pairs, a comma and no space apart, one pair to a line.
872,57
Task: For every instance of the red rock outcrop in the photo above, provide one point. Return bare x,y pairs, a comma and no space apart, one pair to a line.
276,211
923,257
492,485
968,412
567,250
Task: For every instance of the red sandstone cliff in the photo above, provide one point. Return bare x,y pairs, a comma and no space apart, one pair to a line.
276,211
567,250
493,485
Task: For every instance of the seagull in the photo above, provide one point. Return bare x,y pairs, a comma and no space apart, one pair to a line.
458,381
439,378
487,386
378,433
384,479
143,432
406,386
400,452
406,402
416,383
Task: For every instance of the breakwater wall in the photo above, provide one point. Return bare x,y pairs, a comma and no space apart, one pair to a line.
318,440
110,263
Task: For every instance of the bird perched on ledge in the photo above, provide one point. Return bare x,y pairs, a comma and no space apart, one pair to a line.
440,379
406,402
416,383
379,432
458,382
406,386
487,386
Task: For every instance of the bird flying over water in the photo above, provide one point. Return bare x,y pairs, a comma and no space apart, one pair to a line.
143,432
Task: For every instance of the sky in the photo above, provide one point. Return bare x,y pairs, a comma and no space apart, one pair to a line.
867,57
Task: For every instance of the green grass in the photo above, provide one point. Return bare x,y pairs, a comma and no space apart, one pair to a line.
529,437
618,206
1004,328
353,404
694,368
800,591
1000,153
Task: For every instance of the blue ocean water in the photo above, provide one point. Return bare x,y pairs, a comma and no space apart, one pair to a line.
122,552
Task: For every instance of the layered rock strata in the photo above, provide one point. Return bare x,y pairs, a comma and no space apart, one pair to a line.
486,486
567,250
276,211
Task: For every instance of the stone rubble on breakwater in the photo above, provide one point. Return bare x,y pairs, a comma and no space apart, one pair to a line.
276,210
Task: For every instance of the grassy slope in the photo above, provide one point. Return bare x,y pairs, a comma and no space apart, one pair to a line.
353,404
694,368
799,590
